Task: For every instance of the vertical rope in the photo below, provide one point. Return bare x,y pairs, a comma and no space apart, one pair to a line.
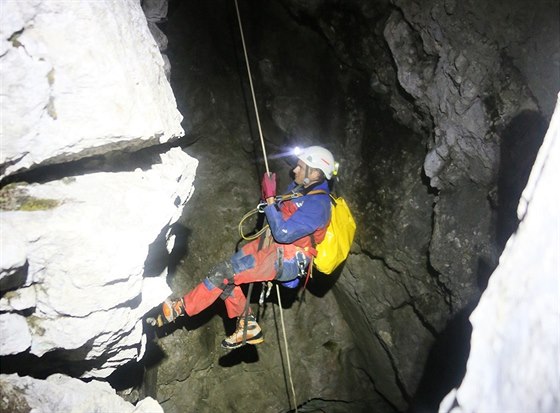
286,345
268,172
252,89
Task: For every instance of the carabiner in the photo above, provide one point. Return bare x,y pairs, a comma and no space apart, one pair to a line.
301,263
261,206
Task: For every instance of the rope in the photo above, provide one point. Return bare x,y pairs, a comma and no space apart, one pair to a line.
246,312
252,89
286,345
268,172
240,226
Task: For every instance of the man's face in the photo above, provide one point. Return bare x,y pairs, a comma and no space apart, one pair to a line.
299,172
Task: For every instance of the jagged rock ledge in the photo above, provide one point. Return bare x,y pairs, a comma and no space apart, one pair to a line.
60,393
81,82
75,258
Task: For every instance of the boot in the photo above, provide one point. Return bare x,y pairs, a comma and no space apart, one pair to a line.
170,310
254,333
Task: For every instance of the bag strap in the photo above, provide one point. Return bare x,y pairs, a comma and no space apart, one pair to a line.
293,195
316,192
333,201
313,243
321,191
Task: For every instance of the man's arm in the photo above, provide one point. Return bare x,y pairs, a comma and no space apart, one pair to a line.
312,215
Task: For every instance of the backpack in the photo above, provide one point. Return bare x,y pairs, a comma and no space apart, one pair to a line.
335,247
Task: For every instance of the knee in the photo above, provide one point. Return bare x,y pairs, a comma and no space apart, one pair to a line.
221,275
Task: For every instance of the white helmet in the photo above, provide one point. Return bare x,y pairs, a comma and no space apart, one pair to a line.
320,158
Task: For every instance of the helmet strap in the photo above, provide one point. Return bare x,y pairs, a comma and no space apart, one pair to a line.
306,180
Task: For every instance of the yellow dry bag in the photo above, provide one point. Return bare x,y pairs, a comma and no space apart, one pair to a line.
335,247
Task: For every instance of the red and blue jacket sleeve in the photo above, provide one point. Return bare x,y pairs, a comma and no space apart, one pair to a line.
313,212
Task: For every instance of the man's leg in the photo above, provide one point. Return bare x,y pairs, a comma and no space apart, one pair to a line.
218,281
251,264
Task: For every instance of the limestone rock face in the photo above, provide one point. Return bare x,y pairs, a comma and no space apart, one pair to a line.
516,324
79,79
424,106
86,244
86,216
59,393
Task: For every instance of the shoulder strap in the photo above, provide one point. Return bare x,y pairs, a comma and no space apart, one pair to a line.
321,191
316,192
287,197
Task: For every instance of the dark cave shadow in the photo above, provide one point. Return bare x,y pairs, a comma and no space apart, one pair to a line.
14,280
245,85
321,283
115,160
142,374
133,374
180,249
246,354
159,258
484,271
446,364
519,145
69,362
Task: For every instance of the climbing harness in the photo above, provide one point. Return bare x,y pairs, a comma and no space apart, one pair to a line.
268,172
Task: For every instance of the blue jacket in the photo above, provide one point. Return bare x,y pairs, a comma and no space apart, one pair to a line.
303,216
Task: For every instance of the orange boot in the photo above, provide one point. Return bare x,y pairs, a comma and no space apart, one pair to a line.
170,310
253,333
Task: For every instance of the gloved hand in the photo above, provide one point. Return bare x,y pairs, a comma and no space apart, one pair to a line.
268,185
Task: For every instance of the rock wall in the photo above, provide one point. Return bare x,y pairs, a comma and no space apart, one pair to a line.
435,136
91,189
427,109
516,325
60,393
73,260
89,80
